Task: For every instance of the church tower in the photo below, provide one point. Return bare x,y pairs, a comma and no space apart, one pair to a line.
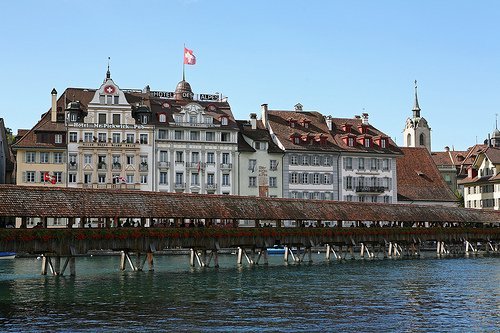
417,132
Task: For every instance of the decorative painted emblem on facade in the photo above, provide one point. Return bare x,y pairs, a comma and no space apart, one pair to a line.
109,89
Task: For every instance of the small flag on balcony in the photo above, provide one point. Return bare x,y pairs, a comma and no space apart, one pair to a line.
48,178
199,166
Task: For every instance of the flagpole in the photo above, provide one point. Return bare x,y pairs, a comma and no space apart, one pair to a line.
183,63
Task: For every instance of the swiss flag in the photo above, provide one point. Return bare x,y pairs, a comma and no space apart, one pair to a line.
48,178
189,58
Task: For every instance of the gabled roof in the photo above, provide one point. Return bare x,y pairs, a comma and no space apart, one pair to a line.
279,122
355,123
419,178
493,154
258,134
442,158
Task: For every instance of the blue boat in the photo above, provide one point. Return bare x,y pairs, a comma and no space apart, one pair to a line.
276,249
7,255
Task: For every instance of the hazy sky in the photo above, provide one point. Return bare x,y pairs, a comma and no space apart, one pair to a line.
335,57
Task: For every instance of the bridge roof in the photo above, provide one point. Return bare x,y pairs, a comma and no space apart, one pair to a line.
25,201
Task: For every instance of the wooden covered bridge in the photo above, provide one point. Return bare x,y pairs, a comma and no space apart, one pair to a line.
219,216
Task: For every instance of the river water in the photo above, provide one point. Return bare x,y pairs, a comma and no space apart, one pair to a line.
460,294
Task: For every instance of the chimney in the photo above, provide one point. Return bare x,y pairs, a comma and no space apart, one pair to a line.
447,149
53,112
263,109
253,120
364,118
329,122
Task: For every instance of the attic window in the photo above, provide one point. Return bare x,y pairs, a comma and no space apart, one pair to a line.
367,142
383,143
362,128
292,122
305,122
162,118
223,120
346,128
350,142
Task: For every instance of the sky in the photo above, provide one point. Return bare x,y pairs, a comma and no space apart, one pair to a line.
341,58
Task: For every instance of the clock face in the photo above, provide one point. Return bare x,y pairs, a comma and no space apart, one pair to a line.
165,105
109,89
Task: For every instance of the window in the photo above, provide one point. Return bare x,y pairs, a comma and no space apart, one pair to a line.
223,121
225,137
350,142
73,116
101,162
194,135
102,99
192,119
116,118
326,178
144,179
294,160
144,159
101,137
373,164
44,157
88,137
72,159
162,134
252,165
348,163
195,157
130,178
162,118
367,143
143,138
225,179
315,160
422,139
304,178
179,157
179,178
383,144
210,158
101,118
209,120
130,138
178,119
87,159
210,179
87,178
163,156
260,145
73,137
109,99
30,157
273,165
58,138
116,138
326,161
225,158
210,136
58,158
195,179
116,99
163,178
387,199
252,181
273,182
316,179
101,178
178,135
385,164
348,183
72,178
30,176
130,159
294,178
305,160
361,163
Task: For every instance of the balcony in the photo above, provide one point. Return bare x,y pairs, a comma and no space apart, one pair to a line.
119,145
225,166
116,166
370,189
195,165
143,167
211,187
180,186
163,165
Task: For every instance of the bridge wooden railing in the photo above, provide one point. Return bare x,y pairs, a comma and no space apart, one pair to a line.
81,240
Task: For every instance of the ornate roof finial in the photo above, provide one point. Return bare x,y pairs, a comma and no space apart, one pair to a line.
496,120
108,73
416,107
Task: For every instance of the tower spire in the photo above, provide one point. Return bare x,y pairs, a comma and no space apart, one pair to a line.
108,73
416,107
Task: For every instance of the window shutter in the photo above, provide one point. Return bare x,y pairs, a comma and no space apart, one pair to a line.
24,177
345,182
355,163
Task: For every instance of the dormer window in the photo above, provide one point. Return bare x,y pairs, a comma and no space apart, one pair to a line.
144,119
162,118
350,142
363,128
178,119
259,145
209,120
346,128
306,122
368,143
292,122
73,117
383,143
224,121
295,138
193,120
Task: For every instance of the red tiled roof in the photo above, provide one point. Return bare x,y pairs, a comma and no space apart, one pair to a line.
73,202
493,154
279,123
258,134
419,178
371,132
442,158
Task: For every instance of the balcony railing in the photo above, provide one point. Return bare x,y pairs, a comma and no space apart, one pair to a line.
370,189
116,166
195,165
109,144
226,166
180,186
211,187
163,165
73,166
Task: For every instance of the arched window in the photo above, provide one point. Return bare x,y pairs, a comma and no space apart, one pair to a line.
163,118
422,139
408,140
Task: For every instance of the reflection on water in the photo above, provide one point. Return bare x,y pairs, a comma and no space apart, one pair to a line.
460,294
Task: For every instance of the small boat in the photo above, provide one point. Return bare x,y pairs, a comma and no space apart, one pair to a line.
276,249
7,255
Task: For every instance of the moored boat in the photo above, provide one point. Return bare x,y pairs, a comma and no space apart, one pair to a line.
7,255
